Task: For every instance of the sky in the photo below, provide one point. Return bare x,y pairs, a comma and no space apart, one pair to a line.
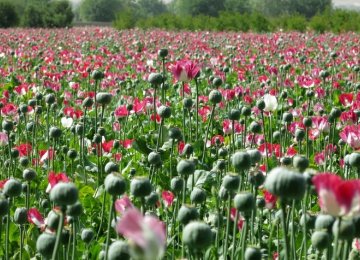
347,2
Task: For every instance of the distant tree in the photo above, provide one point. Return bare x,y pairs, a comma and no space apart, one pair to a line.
309,8
99,10
58,14
241,6
8,15
197,7
33,16
150,7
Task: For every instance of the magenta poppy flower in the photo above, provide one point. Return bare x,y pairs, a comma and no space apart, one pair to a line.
241,219
185,71
168,198
336,196
55,178
34,217
121,205
270,199
145,232
351,135
4,140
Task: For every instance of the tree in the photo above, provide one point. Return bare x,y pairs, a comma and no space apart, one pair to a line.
309,8
197,7
240,6
33,16
8,15
58,14
99,10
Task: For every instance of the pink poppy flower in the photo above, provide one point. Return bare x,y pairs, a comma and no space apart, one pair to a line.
4,140
121,205
24,149
336,196
168,198
35,217
351,135
185,70
270,200
146,232
241,219
55,178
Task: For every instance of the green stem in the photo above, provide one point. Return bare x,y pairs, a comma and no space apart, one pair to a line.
197,110
283,222
207,132
73,255
234,234
109,227
58,235
227,228
336,240
7,231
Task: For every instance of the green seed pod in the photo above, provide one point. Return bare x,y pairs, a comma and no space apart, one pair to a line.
215,96
224,194
324,222
185,167
111,167
186,214
246,111
154,158
152,199
97,75
20,216
164,112
187,103
114,184
64,194
155,79
287,117
175,133
163,53
217,82
119,250
24,161
7,125
50,99
45,244
176,184
244,201
256,178
234,114
72,154
197,236
300,162
55,132
4,206
354,160
198,196
74,210
29,174
12,188
320,240
260,104
231,182
285,183
140,187
252,253
255,156
87,235
88,102
241,161
103,98
255,127
53,220
346,230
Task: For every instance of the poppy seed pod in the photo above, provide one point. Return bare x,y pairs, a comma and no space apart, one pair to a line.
320,240
88,102
300,162
55,132
24,161
45,244
255,156
12,188
345,230
74,210
215,96
186,214
285,183
7,125
29,174
64,194
176,184
217,82
175,133
20,216
140,187
231,182
255,127
244,201
241,161
50,99
287,117
103,98
97,75
72,153
197,195
114,184
154,158
256,178
163,53
299,134
152,199
223,152
111,167
188,150
187,103
260,104
224,193
53,220
354,160
4,206
197,236
185,167
119,250
246,111
164,112
155,79
307,121
324,222
234,114
87,235
252,253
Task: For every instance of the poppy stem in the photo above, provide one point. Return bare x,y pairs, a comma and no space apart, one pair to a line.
283,222
109,227
58,235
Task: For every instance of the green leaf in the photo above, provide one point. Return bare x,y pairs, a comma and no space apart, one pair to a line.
141,146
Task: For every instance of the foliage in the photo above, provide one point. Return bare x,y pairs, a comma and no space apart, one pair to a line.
8,15
99,10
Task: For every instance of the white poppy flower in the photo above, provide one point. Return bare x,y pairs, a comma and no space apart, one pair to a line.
66,122
270,103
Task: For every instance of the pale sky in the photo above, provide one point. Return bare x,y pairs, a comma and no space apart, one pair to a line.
347,2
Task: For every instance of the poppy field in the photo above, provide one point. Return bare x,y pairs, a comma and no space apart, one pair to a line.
151,145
